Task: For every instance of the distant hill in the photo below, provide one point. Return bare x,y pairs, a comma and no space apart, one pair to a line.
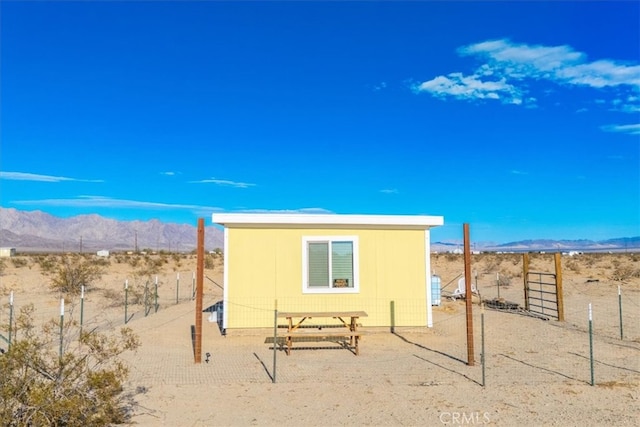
547,245
623,243
30,231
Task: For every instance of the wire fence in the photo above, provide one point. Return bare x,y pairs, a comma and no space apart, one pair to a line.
536,351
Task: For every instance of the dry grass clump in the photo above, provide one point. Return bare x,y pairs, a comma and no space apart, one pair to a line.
624,270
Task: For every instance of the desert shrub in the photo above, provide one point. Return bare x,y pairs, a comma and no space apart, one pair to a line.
218,252
452,257
590,260
150,268
623,272
504,280
74,272
573,265
142,289
209,262
491,264
114,298
3,266
47,263
101,262
19,262
84,387
133,260
514,258
140,292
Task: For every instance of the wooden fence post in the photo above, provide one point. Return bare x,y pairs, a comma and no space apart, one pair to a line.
199,291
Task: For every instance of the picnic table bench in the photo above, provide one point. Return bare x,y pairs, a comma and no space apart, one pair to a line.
347,327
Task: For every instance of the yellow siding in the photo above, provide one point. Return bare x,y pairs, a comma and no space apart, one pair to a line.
265,265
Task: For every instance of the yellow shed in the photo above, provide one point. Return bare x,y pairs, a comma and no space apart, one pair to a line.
379,264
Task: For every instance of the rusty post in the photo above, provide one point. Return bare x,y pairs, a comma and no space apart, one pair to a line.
559,297
468,296
199,291
525,276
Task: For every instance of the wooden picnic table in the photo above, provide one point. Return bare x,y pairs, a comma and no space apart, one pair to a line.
348,320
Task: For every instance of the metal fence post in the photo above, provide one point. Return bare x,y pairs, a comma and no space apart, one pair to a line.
275,338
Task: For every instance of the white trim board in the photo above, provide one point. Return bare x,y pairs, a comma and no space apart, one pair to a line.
308,220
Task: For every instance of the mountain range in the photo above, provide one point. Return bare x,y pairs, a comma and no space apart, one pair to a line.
547,245
32,231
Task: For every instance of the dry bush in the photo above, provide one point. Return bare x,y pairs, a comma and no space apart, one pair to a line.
486,262
209,262
514,258
150,267
141,293
133,260
573,265
19,262
590,260
114,298
176,259
142,290
47,263
452,257
624,271
83,387
504,280
101,262
72,273
217,252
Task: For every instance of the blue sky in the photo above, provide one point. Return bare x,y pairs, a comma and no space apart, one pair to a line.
519,118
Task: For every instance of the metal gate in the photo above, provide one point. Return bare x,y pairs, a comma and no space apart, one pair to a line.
543,291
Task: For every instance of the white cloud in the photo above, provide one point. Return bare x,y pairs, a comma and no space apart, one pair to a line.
108,202
630,104
389,191
380,86
224,182
633,129
507,67
22,176
519,172
520,60
311,211
471,87
600,74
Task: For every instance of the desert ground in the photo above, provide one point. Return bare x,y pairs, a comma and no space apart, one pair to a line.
537,372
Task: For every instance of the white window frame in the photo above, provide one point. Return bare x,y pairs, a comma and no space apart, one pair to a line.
306,289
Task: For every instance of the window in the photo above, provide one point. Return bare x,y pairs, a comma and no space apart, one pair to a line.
330,264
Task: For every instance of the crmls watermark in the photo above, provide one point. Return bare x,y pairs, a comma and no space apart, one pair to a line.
464,418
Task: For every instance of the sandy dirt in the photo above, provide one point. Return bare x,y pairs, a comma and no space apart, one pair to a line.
536,372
